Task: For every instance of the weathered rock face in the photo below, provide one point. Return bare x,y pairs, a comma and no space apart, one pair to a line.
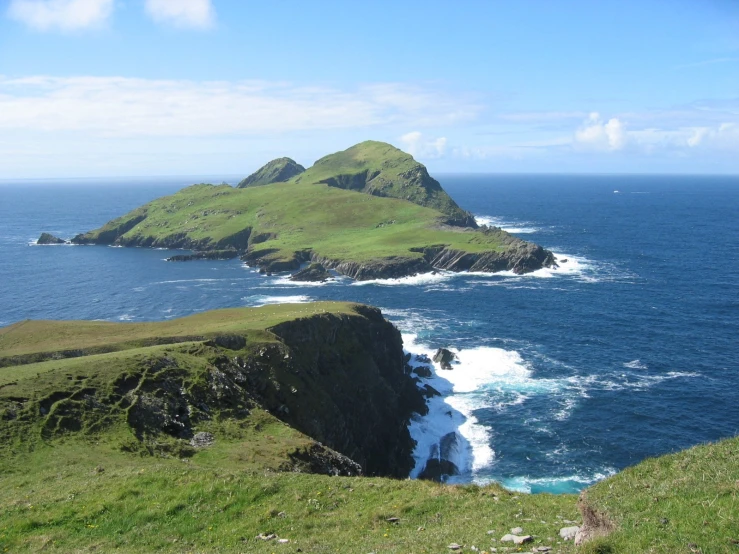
338,378
48,238
444,358
207,255
315,272
352,391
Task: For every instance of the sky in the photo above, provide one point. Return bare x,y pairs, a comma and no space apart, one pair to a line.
114,88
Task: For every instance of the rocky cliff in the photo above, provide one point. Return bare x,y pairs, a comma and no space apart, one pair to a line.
337,377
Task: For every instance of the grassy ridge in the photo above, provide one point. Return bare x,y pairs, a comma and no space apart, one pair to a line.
27,337
291,217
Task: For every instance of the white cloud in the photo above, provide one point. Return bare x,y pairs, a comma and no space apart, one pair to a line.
118,106
597,135
419,146
198,14
67,15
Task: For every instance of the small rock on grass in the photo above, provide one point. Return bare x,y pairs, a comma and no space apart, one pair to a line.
516,531
454,546
568,533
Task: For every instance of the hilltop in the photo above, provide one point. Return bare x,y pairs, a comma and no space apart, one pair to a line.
276,171
398,222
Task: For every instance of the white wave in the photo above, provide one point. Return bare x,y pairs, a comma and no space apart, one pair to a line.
284,281
636,364
263,300
564,484
630,381
126,317
508,227
482,377
430,278
188,281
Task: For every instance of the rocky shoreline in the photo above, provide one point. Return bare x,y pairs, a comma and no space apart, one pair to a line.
520,257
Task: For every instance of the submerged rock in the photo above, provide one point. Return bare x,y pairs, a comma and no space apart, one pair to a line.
315,272
48,238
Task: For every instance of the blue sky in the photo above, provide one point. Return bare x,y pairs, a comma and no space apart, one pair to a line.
165,87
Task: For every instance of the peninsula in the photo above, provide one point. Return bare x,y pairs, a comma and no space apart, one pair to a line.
368,212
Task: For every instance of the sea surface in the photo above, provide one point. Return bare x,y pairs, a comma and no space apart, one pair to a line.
629,350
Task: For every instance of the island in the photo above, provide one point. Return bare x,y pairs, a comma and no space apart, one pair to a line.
368,212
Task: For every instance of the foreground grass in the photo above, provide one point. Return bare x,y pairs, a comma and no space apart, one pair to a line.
684,502
73,499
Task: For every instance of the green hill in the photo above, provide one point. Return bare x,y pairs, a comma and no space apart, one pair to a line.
380,169
314,218
276,171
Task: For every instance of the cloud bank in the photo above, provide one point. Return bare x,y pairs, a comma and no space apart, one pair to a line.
125,107
65,15
197,14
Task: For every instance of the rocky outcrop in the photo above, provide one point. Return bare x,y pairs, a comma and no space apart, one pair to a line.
444,358
439,466
48,238
315,272
207,255
352,391
338,378
520,257
276,171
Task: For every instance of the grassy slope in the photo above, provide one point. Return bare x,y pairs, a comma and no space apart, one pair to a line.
28,337
395,174
684,502
334,223
81,492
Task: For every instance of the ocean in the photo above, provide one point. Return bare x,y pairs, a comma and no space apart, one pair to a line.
628,350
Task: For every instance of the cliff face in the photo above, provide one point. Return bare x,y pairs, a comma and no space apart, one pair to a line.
352,390
336,377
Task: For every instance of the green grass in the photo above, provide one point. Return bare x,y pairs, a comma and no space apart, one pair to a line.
293,217
40,336
379,168
68,498
684,502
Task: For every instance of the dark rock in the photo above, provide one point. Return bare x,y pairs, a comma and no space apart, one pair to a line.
438,470
429,392
422,371
423,358
444,358
232,342
48,238
313,273
228,254
439,467
319,459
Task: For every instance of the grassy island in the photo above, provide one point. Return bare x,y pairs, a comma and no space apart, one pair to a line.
368,212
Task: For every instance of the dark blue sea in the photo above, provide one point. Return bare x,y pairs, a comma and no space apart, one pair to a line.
629,350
